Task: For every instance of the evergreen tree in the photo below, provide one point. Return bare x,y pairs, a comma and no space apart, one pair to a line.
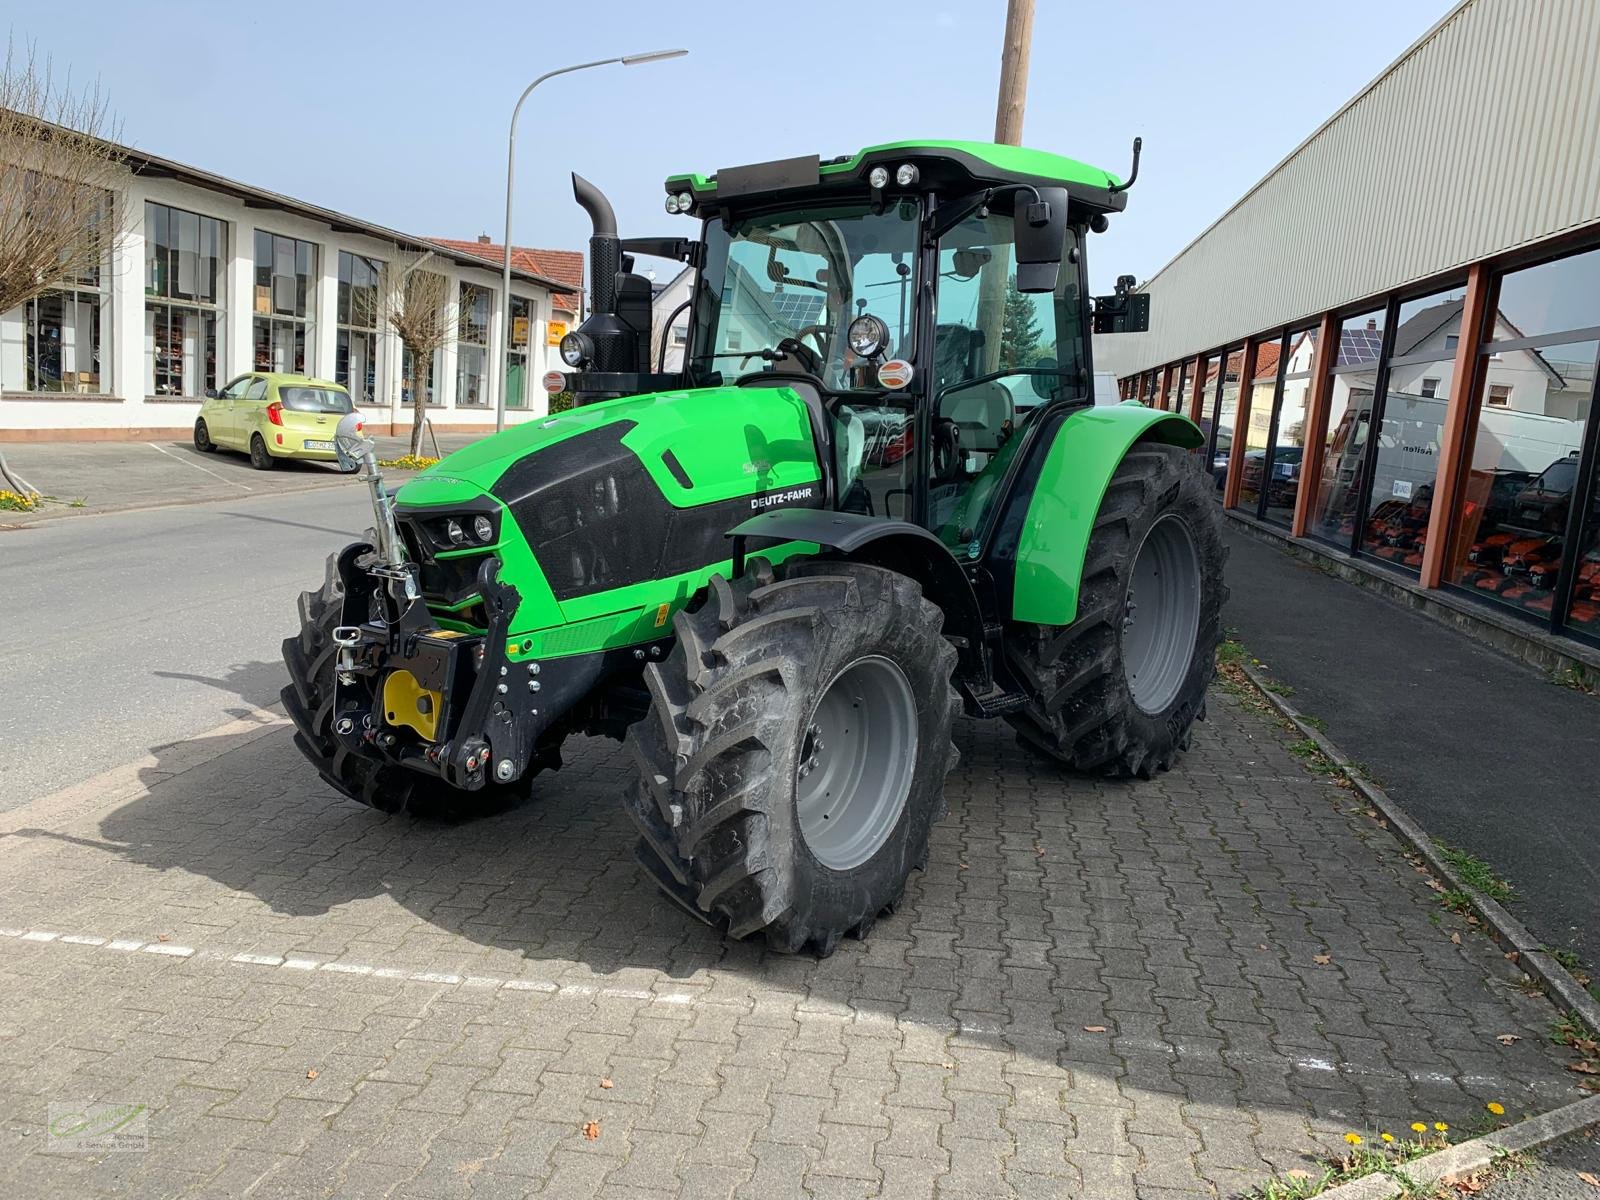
1019,331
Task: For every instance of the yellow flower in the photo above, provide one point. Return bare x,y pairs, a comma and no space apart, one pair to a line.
1353,1138
1496,1108
1418,1127
1388,1137
1440,1126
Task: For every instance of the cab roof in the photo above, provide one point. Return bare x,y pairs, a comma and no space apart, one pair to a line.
284,378
953,165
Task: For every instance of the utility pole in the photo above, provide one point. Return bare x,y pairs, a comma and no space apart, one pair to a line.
1014,72
1009,106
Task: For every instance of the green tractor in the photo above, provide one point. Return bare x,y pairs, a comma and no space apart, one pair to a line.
875,494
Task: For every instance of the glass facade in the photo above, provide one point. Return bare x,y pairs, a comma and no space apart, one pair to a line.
1523,487
472,348
356,347
408,374
185,256
1525,528
1416,393
285,302
1354,387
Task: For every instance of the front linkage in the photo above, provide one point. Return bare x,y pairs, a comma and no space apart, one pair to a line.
459,686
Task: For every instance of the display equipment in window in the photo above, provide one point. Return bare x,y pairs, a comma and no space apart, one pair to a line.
517,351
185,257
284,302
1525,527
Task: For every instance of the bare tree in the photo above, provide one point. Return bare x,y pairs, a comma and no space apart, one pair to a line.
59,165
415,303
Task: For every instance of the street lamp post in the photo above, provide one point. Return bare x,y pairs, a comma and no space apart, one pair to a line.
627,60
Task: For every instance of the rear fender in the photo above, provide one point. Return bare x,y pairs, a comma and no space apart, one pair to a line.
1088,448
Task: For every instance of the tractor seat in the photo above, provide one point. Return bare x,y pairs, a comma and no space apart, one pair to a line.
980,413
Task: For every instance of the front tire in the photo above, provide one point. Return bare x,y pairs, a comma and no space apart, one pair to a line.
1118,691
260,457
202,438
793,763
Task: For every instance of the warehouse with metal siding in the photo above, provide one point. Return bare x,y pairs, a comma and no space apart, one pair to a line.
1392,339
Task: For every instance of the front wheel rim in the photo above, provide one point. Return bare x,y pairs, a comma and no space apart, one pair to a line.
1161,621
858,755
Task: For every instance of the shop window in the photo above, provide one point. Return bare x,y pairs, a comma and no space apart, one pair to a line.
1251,441
472,348
1411,428
64,329
1522,537
356,345
1353,390
1219,421
517,352
1430,388
184,256
285,302
1181,400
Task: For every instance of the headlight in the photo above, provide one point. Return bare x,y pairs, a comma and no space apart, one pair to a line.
907,174
685,203
453,531
867,336
483,529
672,204
878,177
576,349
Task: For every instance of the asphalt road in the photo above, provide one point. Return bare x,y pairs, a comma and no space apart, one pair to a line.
126,631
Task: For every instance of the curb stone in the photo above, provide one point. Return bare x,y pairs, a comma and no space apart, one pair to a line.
1479,1152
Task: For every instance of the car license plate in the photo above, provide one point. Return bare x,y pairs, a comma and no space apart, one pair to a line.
311,445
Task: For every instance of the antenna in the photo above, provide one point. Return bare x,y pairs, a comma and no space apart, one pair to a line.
1138,143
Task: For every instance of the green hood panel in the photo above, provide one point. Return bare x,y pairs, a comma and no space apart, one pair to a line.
728,441
700,460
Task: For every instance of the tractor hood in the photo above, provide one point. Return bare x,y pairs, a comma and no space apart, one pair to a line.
613,509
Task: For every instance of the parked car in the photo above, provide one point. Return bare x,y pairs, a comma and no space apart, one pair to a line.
271,416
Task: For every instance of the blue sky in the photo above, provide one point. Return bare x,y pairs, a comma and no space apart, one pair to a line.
397,112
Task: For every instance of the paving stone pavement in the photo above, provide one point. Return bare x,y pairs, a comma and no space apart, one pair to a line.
1095,990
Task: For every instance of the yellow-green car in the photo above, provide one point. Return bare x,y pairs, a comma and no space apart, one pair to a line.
271,416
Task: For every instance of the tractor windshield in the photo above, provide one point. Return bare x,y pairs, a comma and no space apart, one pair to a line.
805,275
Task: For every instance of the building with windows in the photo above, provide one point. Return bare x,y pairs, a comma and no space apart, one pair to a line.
1392,339
213,278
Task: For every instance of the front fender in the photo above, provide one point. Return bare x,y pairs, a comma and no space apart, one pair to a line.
1078,466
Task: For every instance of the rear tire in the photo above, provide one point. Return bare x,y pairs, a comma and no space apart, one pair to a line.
750,817
1110,695
311,658
202,438
260,457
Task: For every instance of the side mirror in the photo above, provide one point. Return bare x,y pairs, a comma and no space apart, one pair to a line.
350,446
213,394
1040,230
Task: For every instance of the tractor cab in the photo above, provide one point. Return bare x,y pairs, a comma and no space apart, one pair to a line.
927,301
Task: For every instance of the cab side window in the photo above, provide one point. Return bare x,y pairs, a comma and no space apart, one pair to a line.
257,391
237,388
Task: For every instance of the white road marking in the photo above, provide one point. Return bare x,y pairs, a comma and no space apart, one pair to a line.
198,467
1301,1060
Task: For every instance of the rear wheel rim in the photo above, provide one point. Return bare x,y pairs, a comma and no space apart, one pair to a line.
858,754
1161,622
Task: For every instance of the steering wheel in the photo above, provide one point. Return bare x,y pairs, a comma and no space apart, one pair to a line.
821,333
